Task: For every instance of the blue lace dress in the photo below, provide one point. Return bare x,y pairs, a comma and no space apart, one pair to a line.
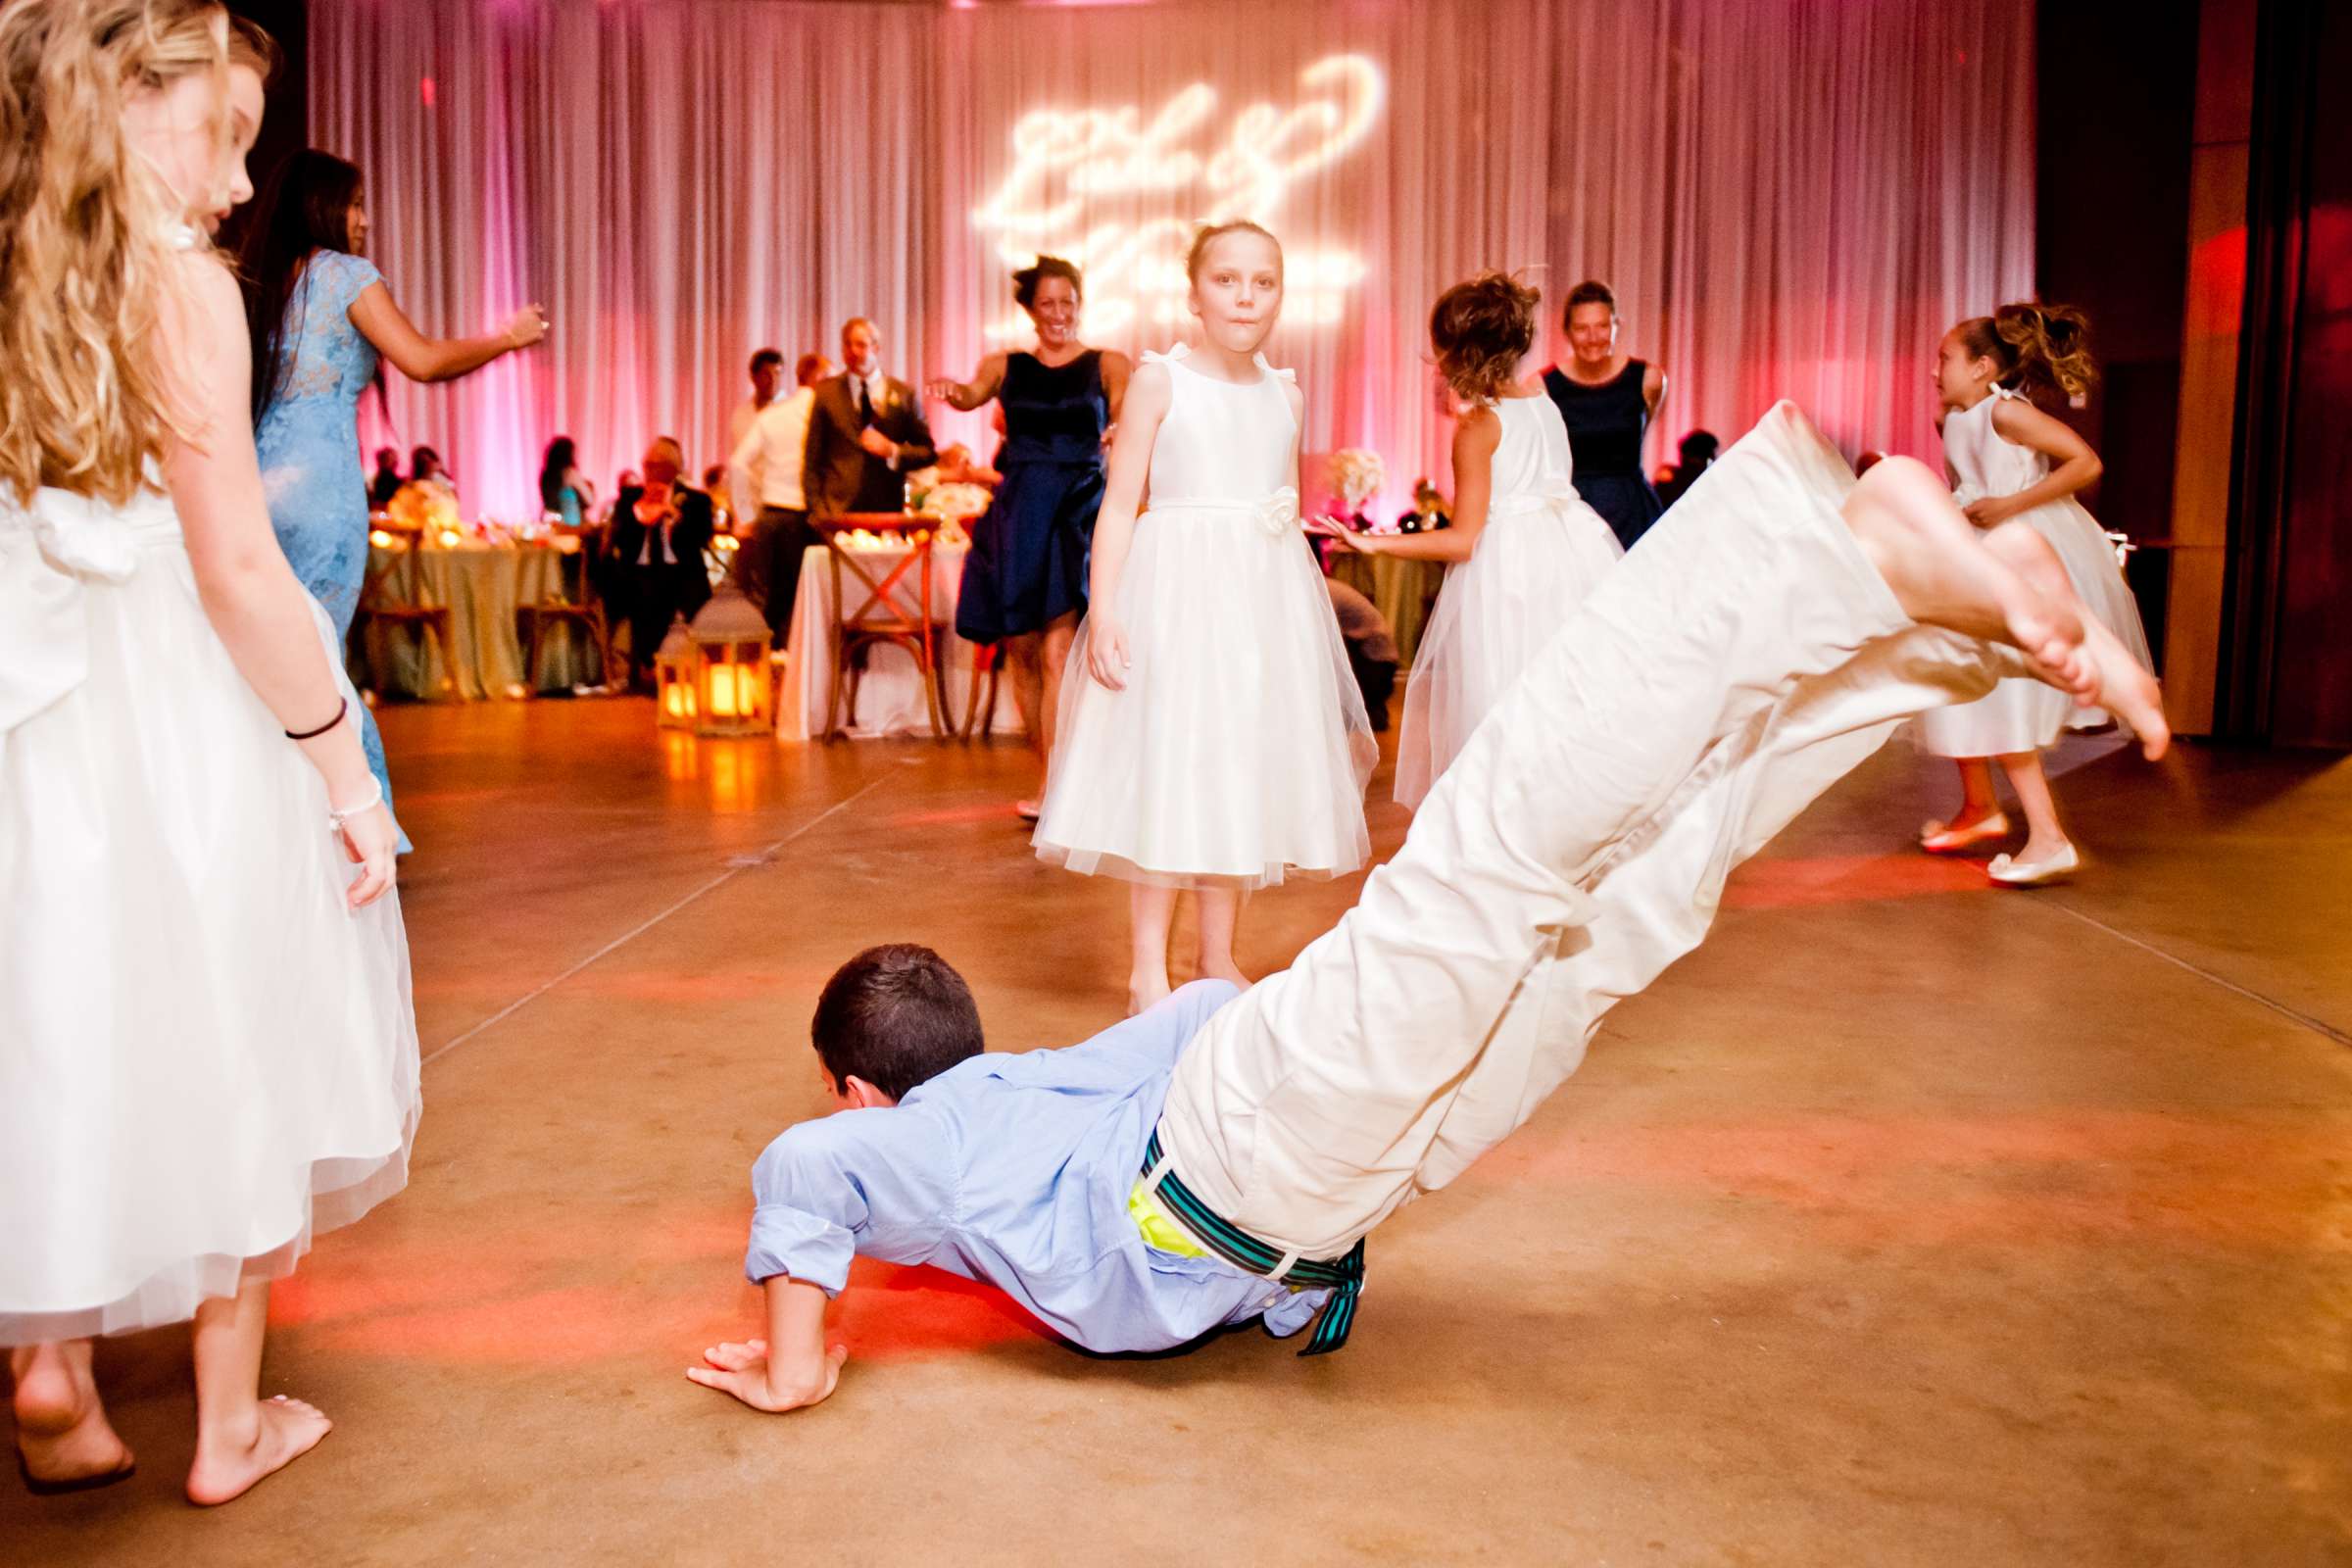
310,451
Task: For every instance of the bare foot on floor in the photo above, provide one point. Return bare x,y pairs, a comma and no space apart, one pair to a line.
62,1430
2119,683
228,1464
1943,575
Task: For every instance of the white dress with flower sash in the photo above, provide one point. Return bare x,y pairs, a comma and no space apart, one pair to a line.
1239,750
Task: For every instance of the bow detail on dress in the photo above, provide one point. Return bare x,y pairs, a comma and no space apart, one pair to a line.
1278,513
1555,490
46,553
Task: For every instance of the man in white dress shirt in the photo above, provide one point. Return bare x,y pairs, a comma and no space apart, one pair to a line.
763,476
767,378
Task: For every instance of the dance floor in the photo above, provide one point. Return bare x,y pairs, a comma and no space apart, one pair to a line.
1906,1222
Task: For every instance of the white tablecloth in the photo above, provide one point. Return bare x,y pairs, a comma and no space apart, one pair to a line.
890,700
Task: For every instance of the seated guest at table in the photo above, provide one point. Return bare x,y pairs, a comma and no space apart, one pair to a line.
763,474
958,466
767,378
1371,648
1694,458
563,490
867,432
387,481
425,469
722,504
654,569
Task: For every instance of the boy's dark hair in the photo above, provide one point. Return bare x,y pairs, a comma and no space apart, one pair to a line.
767,356
896,1016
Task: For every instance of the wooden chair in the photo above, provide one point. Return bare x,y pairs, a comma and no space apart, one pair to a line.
980,713
384,605
874,614
585,610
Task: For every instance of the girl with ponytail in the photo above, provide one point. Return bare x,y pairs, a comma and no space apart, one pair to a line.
2011,458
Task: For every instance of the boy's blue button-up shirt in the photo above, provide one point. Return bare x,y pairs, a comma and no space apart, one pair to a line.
1017,1169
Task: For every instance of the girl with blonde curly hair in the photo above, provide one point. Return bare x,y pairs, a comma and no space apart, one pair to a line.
204,980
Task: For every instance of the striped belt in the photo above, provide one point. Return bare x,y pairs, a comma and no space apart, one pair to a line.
1343,1277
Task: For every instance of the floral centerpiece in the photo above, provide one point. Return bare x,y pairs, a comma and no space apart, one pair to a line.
1355,475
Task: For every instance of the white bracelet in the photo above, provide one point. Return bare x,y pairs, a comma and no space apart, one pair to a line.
337,817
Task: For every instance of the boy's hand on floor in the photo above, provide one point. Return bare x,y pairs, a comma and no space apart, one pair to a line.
743,1370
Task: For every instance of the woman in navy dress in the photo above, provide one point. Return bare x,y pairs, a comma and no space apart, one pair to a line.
1024,580
1606,399
319,316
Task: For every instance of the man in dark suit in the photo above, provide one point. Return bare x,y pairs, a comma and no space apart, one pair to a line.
654,568
865,434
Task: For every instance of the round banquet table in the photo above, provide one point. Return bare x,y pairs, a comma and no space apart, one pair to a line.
1401,590
890,699
483,585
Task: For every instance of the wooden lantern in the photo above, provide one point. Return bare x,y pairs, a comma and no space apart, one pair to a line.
732,692
674,707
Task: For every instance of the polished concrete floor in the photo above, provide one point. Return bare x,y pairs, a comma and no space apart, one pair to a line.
1906,1222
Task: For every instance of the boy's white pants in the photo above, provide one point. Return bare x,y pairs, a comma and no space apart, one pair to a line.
1738,663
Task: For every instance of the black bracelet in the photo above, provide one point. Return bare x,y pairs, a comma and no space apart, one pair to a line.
342,711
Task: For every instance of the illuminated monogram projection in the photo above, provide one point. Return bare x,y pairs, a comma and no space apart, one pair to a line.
1120,196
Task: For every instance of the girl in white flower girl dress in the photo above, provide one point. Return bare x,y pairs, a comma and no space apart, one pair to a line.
1524,549
1219,741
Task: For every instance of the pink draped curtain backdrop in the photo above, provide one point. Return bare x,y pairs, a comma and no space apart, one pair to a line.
1791,198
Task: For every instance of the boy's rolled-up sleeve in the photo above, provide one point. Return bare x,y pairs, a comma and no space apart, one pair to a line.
859,1181
806,1213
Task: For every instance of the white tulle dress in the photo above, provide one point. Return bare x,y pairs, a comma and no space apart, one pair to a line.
1239,750
1542,550
2025,715
205,1058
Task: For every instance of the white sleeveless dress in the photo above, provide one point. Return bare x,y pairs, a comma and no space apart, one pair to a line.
1541,551
2024,715
205,1058
1239,751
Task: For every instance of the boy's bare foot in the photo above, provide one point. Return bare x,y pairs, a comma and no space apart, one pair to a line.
1941,573
2121,685
228,1463
63,1435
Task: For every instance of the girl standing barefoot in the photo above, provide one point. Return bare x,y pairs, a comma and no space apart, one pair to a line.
1219,741
1524,549
2012,461
204,989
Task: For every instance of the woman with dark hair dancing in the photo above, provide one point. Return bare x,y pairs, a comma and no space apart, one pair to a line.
319,316
1024,581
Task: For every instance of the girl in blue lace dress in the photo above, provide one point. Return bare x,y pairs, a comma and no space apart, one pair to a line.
319,316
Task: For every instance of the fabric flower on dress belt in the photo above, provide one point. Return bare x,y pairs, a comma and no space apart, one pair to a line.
1278,513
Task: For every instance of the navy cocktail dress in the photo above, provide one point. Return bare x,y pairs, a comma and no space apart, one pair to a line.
1605,427
1028,562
